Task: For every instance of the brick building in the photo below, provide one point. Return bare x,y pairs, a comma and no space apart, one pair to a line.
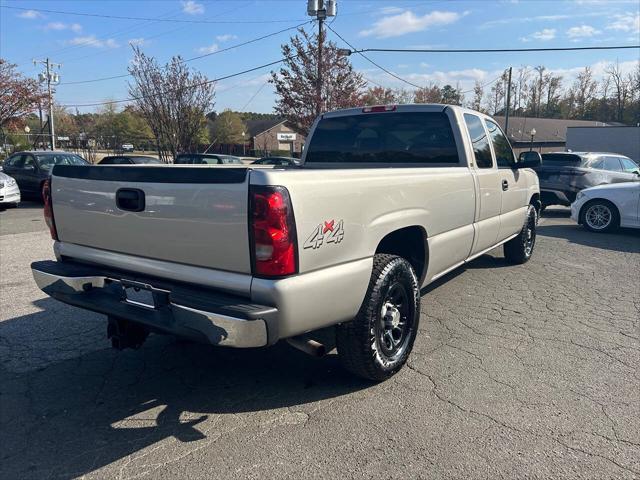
274,136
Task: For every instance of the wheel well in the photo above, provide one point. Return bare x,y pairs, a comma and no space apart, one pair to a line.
409,243
535,201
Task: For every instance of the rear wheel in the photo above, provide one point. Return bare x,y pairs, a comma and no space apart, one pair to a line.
600,216
376,344
518,250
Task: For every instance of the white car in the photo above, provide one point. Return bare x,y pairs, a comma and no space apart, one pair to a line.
9,191
607,207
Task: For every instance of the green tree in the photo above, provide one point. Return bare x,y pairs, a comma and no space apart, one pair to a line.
227,128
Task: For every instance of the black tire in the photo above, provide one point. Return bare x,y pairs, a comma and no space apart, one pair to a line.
390,312
518,250
608,211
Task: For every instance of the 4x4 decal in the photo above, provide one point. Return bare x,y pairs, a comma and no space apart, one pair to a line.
328,231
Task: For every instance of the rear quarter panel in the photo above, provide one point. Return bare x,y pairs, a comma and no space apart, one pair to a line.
370,203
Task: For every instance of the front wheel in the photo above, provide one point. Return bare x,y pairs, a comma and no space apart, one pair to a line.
600,216
518,250
376,344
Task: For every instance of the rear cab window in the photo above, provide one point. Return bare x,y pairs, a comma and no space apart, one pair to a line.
501,146
391,138
479,141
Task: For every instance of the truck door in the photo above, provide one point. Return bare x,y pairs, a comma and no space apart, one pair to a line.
487,223
513,183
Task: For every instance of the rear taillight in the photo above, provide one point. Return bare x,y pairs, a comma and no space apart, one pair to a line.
273,232
48,209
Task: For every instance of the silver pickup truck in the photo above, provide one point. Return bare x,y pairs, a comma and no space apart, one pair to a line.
387,200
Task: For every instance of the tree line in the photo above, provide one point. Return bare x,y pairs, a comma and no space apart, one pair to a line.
172,106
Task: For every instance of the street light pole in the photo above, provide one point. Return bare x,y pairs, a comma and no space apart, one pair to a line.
533,134
51,78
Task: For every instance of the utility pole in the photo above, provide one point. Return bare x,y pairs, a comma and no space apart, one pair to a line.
321,9
51,78
506,115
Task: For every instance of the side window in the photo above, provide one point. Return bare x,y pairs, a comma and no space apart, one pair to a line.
29,161
15,161
479,140
629,166
107,161
612,164
501,146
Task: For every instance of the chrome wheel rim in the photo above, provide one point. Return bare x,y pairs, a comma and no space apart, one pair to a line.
395,322
598,217
530,239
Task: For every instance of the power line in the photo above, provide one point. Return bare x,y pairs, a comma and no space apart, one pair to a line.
490,50
172,20
197,57
125,100
359,52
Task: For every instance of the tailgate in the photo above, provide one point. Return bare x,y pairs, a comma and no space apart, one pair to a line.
189,215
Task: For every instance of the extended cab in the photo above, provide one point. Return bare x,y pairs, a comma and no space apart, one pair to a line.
387,200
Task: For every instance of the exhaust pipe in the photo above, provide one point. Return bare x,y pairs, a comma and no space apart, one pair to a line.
308,346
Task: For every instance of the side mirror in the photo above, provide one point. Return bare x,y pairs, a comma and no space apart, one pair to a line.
529,159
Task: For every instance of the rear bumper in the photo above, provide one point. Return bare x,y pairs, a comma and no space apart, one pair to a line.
191,312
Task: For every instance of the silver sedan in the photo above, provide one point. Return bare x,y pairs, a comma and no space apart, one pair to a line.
9,191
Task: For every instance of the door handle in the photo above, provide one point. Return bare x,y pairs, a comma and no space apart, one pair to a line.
130,199
505,185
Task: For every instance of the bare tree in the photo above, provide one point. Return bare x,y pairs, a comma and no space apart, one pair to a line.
522,88
496,99
540,84
553,84
584,90
478,95
173,99
621,87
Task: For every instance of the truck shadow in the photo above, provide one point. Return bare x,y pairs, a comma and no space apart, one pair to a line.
71,417
623,240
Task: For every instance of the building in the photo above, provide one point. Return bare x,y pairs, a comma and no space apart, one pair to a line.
620,139
274,136
550,133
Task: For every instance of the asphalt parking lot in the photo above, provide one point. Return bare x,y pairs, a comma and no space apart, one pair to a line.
518,372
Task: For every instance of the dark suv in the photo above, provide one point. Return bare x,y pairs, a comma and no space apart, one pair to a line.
563,174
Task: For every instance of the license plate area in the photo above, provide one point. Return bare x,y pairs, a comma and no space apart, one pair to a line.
140,297
143,295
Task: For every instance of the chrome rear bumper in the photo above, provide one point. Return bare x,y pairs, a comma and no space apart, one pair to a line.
191,312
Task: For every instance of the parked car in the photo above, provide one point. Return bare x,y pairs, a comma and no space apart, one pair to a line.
607,207
386,201
128,160
206,159
31,169
127,147
281,161
563,174
9,191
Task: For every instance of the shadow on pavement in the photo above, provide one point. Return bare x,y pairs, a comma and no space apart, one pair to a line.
623,240
556,213
74,416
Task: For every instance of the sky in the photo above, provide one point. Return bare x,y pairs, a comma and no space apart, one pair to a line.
94,47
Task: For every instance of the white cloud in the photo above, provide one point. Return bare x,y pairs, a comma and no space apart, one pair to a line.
391,10
583,31
626,23
30,14
192,8
226,37
409,22
55,26
138,42
210,49
543,35
92,41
